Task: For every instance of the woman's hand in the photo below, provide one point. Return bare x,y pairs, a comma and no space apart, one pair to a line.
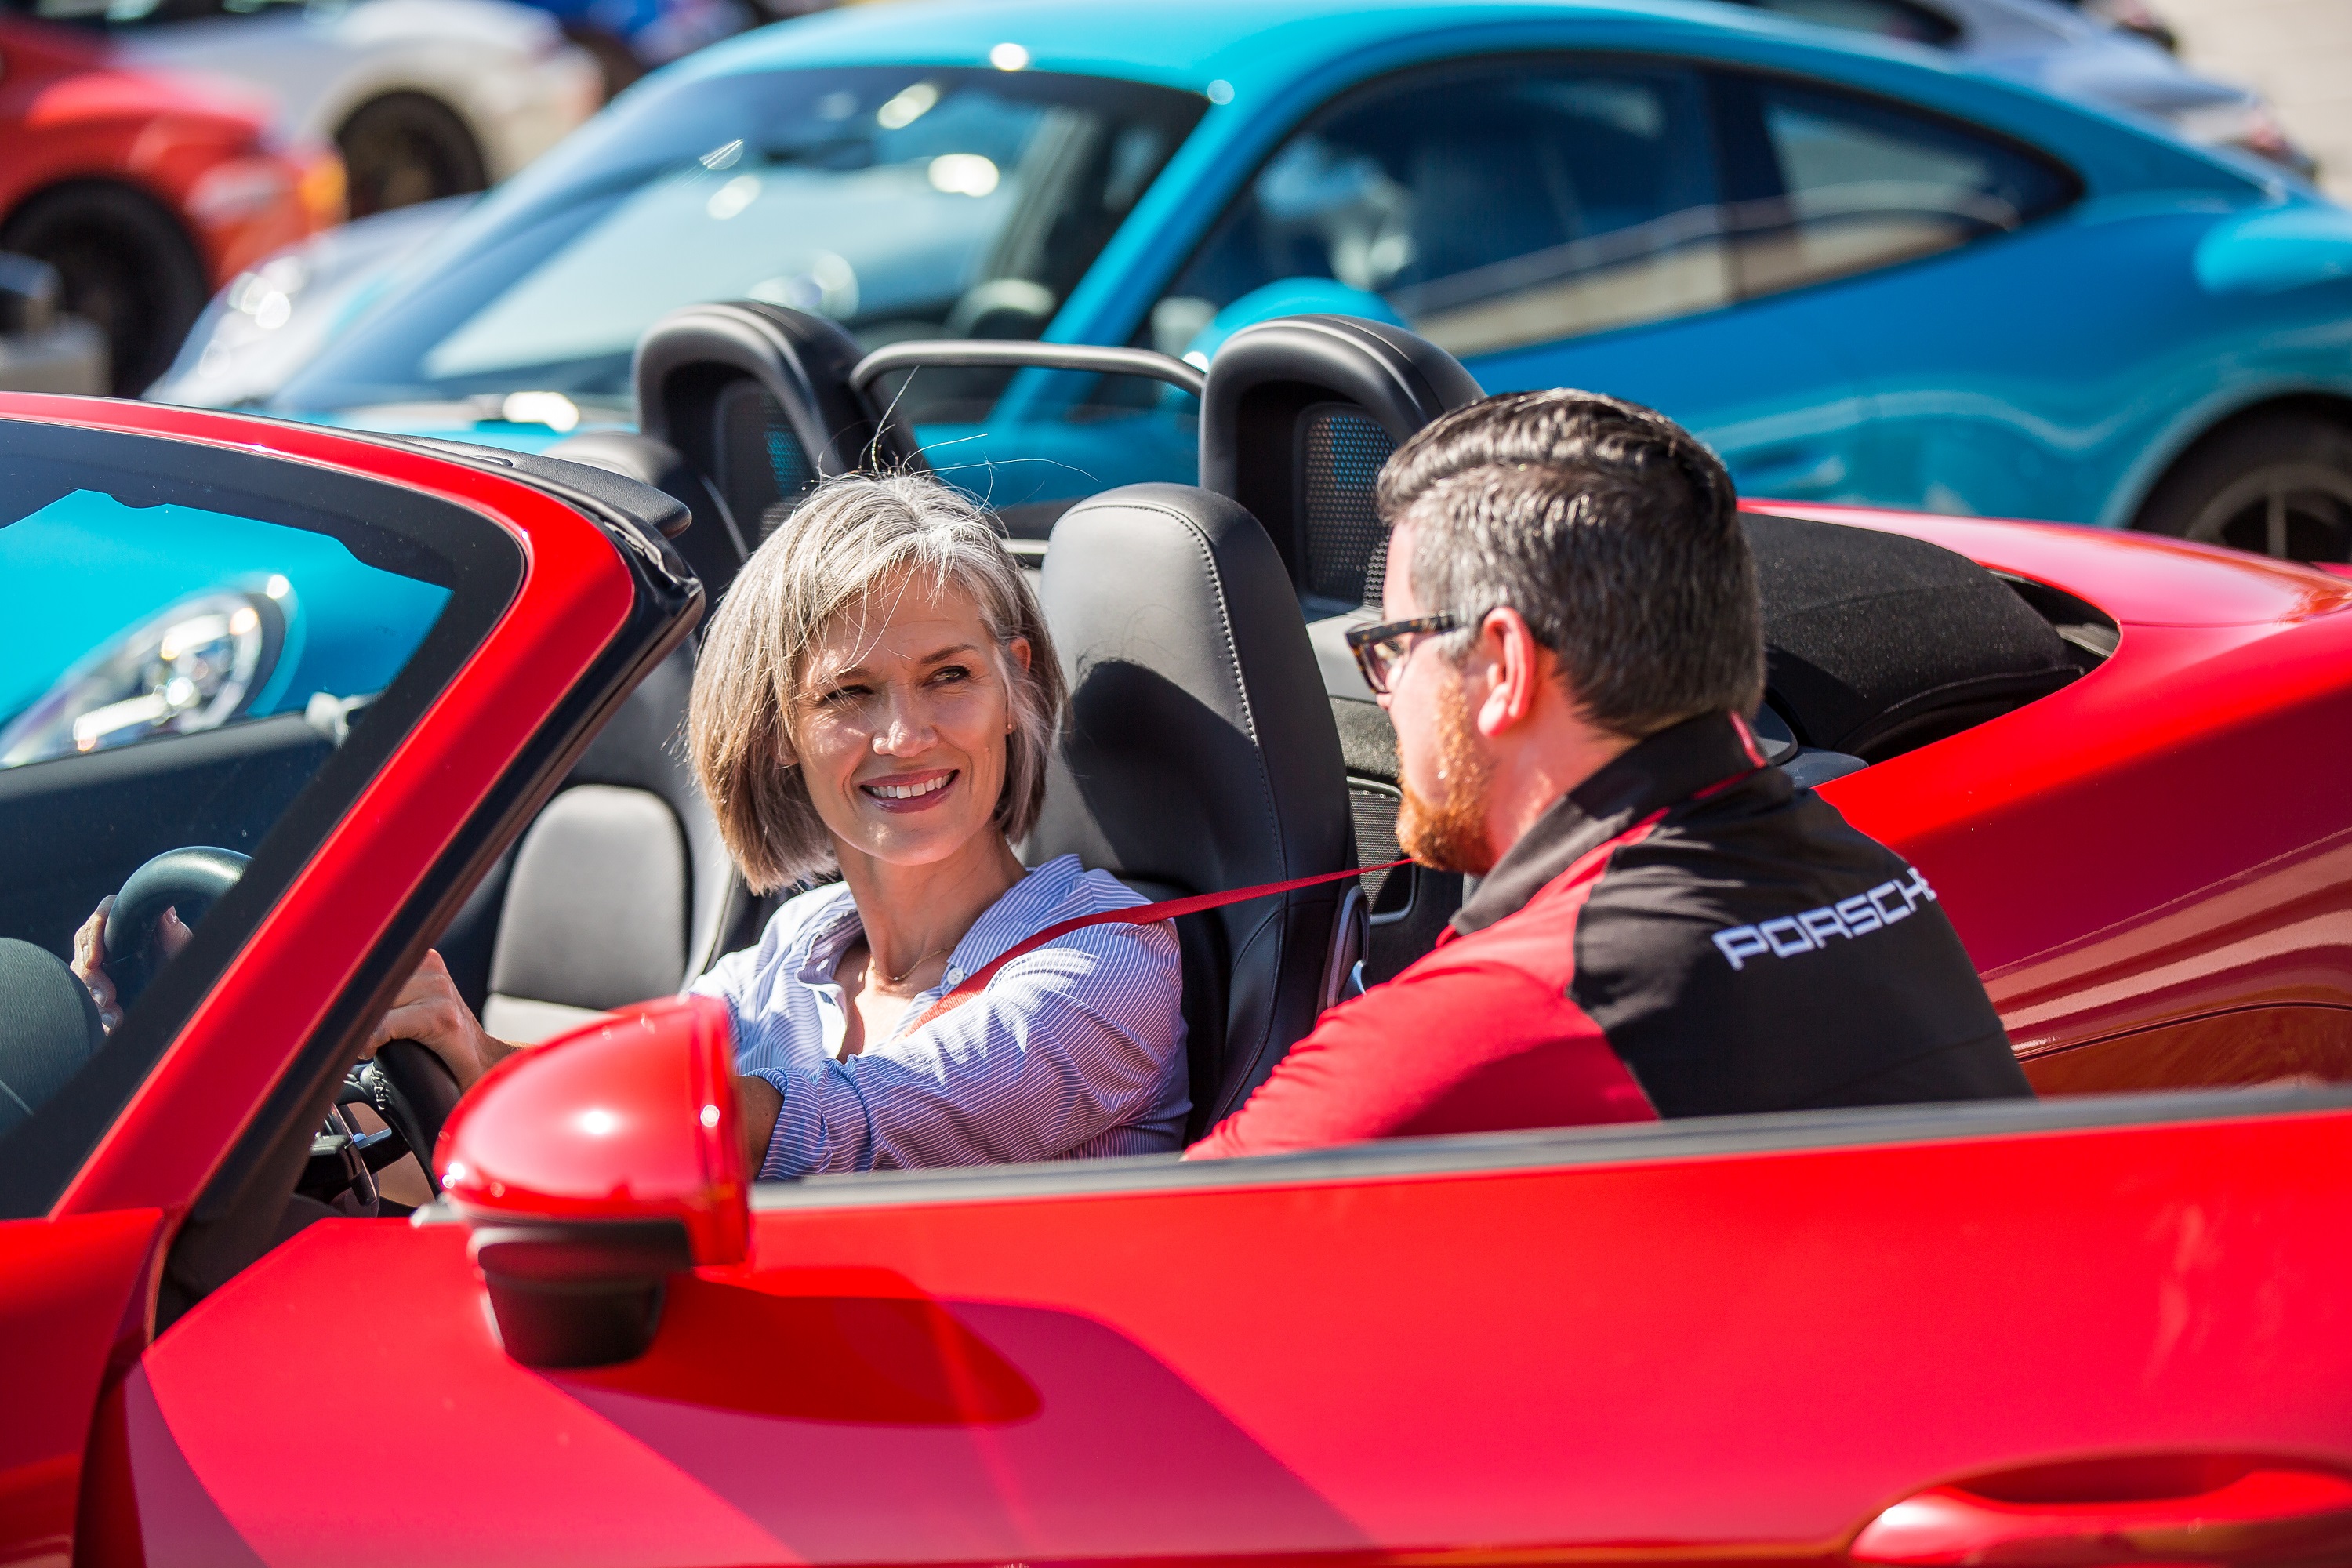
429,1011
88,963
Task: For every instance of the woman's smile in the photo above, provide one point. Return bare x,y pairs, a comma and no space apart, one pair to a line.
901,792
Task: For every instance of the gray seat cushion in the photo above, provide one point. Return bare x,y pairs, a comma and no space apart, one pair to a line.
595,912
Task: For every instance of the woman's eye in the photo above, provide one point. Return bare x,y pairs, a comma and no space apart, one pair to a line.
951,672
840,695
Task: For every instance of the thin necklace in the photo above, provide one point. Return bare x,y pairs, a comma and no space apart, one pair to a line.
900,978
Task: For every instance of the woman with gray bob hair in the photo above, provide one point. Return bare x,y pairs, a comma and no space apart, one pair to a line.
878,695
821,565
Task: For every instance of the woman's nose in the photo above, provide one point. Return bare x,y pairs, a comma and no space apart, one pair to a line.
907,727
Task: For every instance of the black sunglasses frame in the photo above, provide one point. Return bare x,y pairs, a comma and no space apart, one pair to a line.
1365,641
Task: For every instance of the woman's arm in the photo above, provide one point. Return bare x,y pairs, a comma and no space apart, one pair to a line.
1065,1043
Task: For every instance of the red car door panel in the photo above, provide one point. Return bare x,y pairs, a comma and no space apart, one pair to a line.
73,1296
1634,1350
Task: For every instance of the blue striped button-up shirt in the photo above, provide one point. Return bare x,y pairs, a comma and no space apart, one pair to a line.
1075,1050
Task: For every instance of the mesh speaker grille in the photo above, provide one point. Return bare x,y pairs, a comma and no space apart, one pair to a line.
763,469
1347,547
1373,809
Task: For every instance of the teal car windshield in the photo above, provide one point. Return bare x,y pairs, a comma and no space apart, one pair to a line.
899,201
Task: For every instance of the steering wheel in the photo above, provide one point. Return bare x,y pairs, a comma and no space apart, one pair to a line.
188,880
413,1092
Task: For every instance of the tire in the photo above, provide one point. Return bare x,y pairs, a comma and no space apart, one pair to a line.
405,148
2277,484
127,266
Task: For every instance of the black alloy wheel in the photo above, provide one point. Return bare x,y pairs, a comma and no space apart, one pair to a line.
2277,484
126,266
405,148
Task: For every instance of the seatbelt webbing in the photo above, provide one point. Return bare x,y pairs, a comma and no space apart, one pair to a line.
972,985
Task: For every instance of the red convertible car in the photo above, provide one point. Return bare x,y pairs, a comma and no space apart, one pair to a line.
2097,1329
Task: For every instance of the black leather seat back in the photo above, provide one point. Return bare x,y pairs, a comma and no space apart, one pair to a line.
48,1028
1200,755
757,399
1297,417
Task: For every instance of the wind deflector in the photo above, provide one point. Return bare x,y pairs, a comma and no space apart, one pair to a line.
1876,644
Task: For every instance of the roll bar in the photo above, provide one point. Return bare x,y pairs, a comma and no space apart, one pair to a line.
960,352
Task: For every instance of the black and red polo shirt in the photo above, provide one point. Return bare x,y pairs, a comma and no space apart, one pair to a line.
1686,933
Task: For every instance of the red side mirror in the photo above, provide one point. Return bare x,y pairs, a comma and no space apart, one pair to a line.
590,1169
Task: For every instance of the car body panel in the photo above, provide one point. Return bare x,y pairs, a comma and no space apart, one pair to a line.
65,115
2221,715
1228,1366
72,1311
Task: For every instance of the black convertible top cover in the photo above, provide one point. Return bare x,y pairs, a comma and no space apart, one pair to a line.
1876,643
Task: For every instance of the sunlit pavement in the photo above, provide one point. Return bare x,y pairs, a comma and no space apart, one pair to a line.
2299,53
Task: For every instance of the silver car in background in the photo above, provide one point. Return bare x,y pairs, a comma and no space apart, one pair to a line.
2072,53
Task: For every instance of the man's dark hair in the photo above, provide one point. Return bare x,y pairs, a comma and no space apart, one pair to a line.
1609,528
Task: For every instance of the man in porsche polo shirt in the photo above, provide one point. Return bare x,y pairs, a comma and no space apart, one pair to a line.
1663,926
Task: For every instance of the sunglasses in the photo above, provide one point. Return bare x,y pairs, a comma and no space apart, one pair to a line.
1380,650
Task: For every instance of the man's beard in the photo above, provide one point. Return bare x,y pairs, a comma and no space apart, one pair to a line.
1449,833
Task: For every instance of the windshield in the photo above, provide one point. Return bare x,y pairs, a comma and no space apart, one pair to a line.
212,654
901,201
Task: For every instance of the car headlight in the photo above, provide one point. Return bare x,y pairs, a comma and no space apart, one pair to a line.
193,666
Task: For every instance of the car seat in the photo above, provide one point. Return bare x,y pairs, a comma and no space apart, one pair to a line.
1296,419
621,888
1200,755
48,1028
757,399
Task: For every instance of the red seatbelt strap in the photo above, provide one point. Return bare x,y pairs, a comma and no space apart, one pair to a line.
972,984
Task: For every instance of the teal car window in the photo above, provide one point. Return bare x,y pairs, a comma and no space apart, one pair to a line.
1517,202
1861,185
900,201
1486,208
211,653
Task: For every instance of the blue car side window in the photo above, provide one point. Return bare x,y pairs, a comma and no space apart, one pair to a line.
1849,185
1511,203
1485,206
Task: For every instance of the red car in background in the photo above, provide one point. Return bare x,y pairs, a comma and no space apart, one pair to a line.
146,194
2101,1329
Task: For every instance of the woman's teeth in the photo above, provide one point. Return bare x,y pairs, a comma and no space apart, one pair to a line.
908,792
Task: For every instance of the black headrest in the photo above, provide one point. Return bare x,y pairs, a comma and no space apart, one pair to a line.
1876,643
1199,756
758,398
1297,417
48,1028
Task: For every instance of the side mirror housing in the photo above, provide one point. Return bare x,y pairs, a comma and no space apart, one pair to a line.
592,1168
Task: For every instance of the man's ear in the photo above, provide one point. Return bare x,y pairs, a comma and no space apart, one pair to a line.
1514,664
